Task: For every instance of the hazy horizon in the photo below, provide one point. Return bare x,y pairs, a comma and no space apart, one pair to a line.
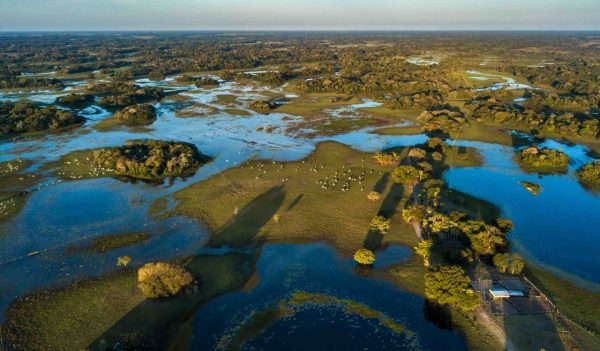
308,15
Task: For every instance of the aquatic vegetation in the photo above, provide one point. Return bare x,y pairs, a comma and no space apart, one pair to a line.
123,261
533,188
364,257
259,321
111,242
542,160
589,175
26,117
162,279
149,159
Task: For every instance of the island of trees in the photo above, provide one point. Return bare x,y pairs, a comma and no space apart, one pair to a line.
27,117
150,159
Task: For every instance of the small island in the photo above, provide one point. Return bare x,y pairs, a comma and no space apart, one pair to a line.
534,159
150,159
589,175
75,100
533,188
137,114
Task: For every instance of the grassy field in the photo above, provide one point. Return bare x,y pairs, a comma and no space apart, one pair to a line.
85,315
284,201
580,305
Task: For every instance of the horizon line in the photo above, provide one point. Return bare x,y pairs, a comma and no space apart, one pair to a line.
301,30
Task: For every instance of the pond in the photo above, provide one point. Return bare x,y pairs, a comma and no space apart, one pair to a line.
340,308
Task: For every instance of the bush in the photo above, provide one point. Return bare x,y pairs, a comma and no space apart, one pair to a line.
364,256
262,106
387,158
374,196
162,279
450,285
380,224
123,260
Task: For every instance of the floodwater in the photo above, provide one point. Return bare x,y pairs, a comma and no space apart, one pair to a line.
316,268
556,229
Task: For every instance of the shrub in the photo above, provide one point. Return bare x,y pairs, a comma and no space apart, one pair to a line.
123,260
387,158
380,224
374,196
162,279
262,106
364,256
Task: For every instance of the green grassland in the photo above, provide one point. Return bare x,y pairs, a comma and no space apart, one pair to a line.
290,190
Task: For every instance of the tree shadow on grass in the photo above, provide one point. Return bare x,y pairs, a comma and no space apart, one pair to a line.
242,228
388,208
382,183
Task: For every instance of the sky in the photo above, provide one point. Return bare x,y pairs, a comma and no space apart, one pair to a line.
42,15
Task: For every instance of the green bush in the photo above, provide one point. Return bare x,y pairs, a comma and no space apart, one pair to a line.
380,224
162,279
364,257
